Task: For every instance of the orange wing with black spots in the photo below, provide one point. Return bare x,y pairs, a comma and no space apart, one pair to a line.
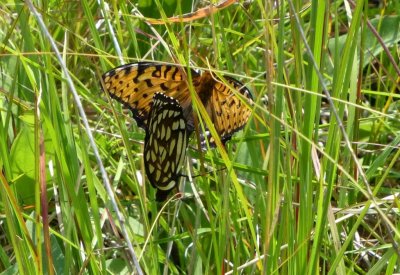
227,102
165,142
135,84
230,110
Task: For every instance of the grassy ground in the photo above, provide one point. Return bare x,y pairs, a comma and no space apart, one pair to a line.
309,186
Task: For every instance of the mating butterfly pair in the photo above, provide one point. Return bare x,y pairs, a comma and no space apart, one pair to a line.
158,96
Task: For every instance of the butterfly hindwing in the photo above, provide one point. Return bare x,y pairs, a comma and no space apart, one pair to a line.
165,142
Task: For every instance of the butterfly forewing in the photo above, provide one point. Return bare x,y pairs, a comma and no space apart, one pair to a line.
165,142
230,112
135,84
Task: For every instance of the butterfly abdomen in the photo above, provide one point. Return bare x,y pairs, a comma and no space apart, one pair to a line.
204,87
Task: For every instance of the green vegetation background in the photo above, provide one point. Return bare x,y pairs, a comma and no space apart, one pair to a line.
290,194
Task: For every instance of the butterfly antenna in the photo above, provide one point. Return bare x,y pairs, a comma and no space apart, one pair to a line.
201,174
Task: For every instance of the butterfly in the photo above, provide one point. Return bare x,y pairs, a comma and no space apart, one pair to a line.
228,102
164,144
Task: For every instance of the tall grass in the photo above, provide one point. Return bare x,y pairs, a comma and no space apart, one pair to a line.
295,192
